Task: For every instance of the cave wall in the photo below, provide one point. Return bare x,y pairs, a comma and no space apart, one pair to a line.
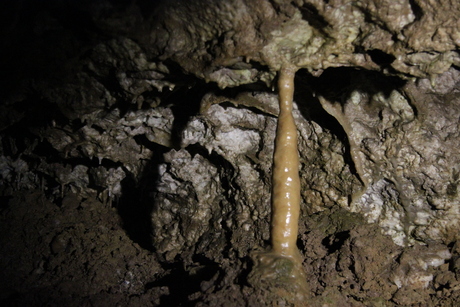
166,112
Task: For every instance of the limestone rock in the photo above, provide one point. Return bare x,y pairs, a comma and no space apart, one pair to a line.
136,142
409,173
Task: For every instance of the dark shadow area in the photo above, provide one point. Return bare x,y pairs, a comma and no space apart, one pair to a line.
4,202
186,104
245,271
336,85
416,9
310,13
136,202
381,58
183,282
311,108
32,116
335,241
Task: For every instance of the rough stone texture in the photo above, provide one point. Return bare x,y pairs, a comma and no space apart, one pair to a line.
409,38
404,143
137,138
220,181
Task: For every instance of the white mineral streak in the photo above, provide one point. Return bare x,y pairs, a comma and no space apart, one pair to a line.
286,182
415,268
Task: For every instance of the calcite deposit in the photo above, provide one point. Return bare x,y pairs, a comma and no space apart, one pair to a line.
137,142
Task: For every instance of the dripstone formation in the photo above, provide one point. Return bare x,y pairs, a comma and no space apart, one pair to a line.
137,142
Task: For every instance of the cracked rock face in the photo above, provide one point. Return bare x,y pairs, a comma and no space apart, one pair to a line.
137,143
220,181
402,141
410,38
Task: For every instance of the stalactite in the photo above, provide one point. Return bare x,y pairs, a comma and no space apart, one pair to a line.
282,266
286,181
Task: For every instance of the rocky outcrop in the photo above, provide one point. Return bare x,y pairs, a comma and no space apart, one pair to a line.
164,115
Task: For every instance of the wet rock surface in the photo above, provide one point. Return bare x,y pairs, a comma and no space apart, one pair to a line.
137,142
